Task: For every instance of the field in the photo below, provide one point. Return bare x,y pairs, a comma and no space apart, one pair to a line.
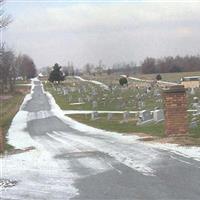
169,76
174,77
119,99
81,95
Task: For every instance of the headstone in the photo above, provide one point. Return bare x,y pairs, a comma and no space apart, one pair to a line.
193,123
197,112
158,100
196,99
126,116
80,100
73,89
58,90
140,104
94,104
65,91
195,105
110,87
198,109
148,90
94,115
137,95
94,92
142,96
145,117
70,99
110,115
122,105
158,115
88,98
156,93
192,92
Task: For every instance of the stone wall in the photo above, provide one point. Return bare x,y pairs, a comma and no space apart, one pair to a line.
175,109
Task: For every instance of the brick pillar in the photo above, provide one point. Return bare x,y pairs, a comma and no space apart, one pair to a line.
175,108
1,141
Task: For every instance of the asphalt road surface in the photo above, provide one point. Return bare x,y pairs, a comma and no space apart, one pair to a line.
105,166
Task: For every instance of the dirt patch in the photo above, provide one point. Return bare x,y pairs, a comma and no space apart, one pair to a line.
184,140
146,139
17,151
181,140
23,90
5,97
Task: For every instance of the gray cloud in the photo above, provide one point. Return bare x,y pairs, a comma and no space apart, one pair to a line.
113,33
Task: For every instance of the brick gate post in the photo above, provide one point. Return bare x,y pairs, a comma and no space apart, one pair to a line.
175,109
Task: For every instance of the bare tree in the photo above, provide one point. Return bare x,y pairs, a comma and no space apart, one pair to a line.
88,68
27,68
7,68
7,71
148,66
171,64
5,19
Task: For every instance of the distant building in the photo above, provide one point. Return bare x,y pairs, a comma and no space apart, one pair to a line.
42,77
191,81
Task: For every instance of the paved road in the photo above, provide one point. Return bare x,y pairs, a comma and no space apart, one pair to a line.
104,166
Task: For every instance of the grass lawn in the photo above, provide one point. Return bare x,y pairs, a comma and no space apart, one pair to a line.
195,132
121,98
22,82
117,125
9,107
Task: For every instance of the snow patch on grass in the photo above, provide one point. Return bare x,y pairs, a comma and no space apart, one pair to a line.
17,134
93,81
188,152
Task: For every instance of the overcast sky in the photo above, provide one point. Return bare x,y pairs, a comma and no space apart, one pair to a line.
118,31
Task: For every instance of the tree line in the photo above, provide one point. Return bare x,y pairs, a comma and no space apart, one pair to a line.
170,64
124,68
150,65
12,66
